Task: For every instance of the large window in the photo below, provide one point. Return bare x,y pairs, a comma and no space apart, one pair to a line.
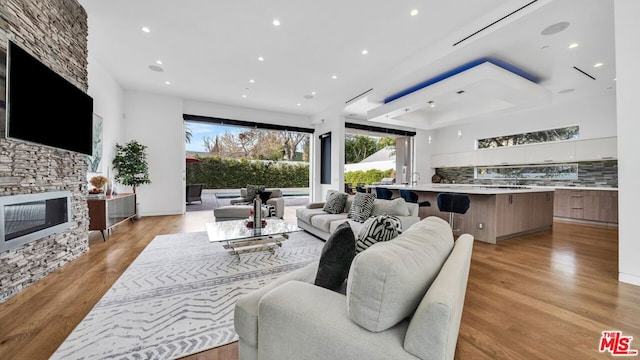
560,134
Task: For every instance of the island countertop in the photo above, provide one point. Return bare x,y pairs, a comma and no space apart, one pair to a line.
470,188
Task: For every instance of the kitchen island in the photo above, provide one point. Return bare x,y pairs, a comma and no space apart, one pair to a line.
496,212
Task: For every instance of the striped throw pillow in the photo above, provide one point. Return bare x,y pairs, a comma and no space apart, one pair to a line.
362,207
377,229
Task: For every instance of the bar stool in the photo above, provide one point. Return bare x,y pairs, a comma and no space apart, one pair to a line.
453,203
412,197
383,193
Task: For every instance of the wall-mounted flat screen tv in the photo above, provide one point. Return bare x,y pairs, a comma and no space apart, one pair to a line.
45,108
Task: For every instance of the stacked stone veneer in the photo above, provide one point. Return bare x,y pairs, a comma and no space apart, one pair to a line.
55,31
590,173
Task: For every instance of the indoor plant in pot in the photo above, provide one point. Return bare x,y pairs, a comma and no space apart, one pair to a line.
130,162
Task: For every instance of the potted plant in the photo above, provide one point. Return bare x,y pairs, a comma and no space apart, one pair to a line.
130,162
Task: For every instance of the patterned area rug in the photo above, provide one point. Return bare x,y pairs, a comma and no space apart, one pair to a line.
177,298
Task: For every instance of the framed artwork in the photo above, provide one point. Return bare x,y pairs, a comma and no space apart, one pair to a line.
94,162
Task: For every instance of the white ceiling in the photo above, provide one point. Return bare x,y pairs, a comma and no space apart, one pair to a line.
209,49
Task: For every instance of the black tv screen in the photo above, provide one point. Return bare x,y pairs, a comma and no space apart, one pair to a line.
45,108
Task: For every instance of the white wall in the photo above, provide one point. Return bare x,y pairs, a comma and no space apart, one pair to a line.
108,102
628,78
331,120
422,155
596,117
156,121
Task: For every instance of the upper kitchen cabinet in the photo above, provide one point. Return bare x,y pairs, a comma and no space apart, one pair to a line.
442,160
551,152
510,155
597,149
469,158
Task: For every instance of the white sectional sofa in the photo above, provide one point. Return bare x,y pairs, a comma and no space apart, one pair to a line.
322,224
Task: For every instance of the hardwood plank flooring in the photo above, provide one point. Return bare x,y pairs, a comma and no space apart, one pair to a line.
546,295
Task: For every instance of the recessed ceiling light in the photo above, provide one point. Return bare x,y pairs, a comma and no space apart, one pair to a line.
596,65
156,68
298,104
365,52
146,29
244,95
167,82
432,103
276,22
574,45
334,76
260,58
414,12
252,81
555,28
159,62
313,93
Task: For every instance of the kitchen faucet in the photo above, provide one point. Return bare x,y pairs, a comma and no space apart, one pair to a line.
414,182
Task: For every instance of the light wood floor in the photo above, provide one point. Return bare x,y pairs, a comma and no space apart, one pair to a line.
541,296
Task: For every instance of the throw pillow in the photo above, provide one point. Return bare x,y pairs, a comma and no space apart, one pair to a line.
264,196
362,206
336,257
335,202
253,190
396,207
377,229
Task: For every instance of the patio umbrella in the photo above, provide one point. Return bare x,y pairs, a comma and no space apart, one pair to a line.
191,159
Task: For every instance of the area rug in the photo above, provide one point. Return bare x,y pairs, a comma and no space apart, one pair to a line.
177,298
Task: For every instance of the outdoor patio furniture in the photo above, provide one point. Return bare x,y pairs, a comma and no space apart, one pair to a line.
194,193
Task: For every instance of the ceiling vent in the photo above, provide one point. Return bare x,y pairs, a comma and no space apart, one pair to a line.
584,73
493,23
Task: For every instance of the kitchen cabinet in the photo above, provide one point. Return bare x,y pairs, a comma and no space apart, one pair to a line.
588,205
519,213
468,158
550,152
597,149
442,160
111,210
504,156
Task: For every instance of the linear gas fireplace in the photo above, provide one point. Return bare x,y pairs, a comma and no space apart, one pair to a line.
29,217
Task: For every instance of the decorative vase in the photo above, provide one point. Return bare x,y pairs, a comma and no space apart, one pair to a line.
257,213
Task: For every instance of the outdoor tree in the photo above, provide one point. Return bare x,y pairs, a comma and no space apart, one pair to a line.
188,134
358,147
291,141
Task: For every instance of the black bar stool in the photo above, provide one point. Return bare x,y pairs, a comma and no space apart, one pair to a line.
412,197
453,203
383,193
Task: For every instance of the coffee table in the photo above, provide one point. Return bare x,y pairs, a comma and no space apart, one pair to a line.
239,238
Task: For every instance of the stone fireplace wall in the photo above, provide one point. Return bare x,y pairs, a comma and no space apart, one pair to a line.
56,32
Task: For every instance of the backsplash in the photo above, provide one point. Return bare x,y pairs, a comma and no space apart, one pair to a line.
590,174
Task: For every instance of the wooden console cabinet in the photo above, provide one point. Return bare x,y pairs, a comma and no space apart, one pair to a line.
109,211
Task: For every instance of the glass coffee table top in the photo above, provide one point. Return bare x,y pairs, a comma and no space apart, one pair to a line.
239,238
236,230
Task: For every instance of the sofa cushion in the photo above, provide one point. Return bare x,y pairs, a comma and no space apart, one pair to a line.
377,229
336,257
361,207
323,221
305,214
390,207
335,202
387,282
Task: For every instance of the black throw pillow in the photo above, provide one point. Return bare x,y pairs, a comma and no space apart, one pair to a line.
264,196
336,257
